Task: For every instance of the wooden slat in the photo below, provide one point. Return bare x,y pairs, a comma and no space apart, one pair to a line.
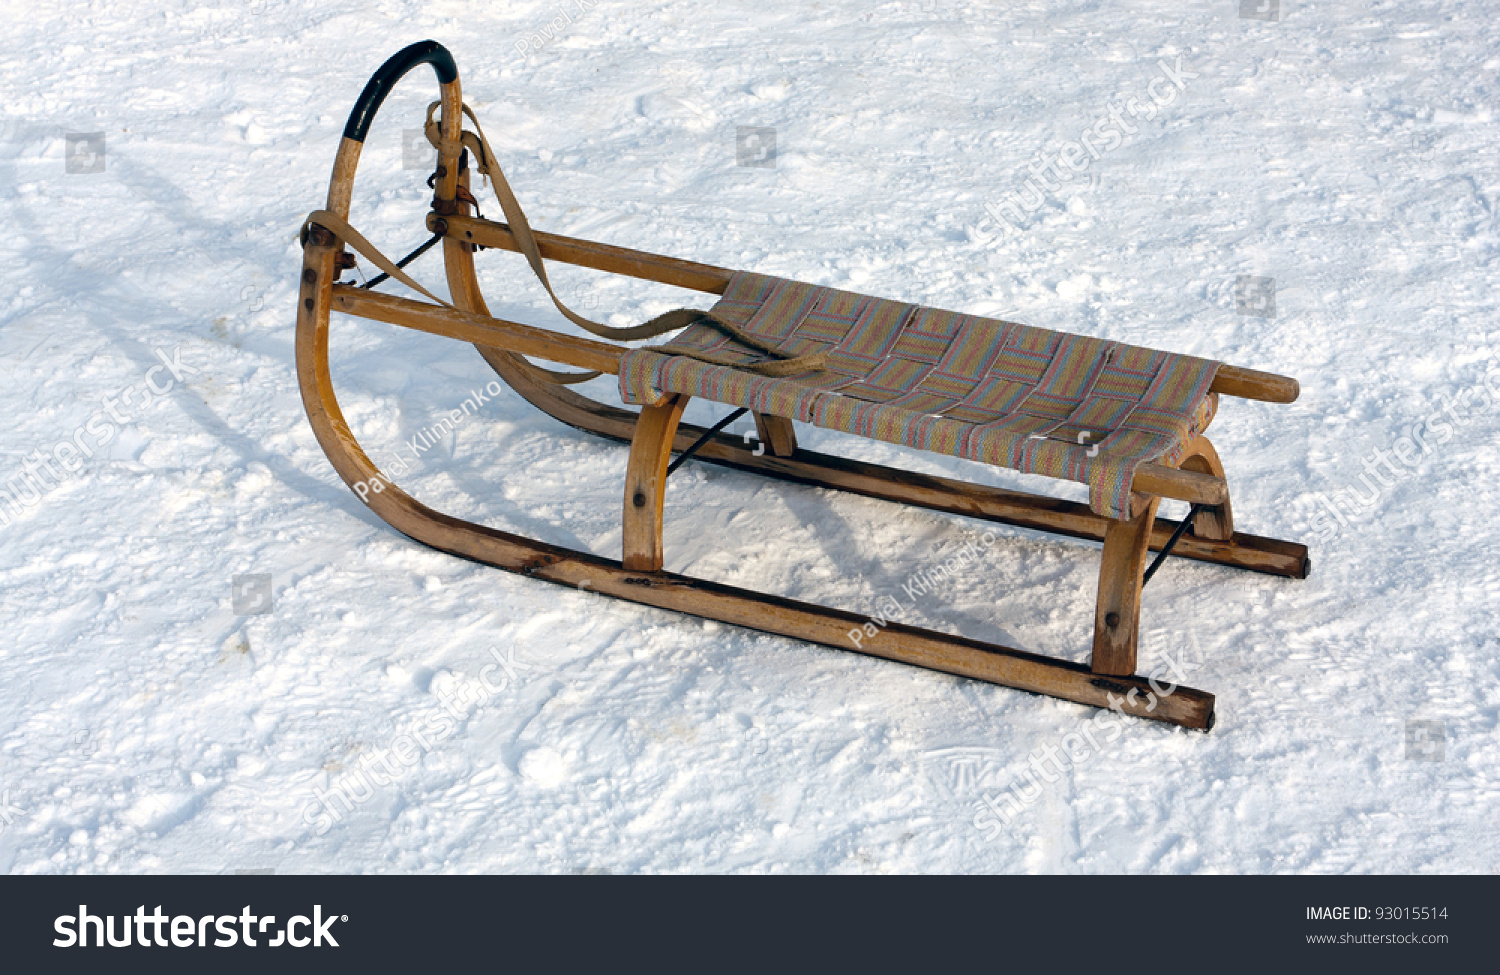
1117,616
1254,384
1169,482
586,253
943,652
482,330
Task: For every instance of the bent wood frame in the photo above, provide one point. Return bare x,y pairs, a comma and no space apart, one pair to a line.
656,432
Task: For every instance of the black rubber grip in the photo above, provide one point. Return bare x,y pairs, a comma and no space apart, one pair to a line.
384,79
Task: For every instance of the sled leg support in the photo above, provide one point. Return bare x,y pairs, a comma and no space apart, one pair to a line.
646,483
1117,619
1110,682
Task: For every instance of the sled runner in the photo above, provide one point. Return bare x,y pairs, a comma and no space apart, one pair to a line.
1127,421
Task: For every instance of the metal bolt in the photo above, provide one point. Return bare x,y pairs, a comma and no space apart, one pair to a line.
309,276
639,500
1111,620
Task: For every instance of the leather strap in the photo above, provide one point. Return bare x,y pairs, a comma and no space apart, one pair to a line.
485,163
780,363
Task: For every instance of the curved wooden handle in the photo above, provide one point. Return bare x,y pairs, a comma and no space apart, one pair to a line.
386,76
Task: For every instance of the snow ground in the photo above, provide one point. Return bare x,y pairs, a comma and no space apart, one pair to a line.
1348,151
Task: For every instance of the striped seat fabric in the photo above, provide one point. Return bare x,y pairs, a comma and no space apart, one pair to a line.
1033,400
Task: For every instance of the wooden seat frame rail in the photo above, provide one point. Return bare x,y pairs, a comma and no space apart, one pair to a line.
654,433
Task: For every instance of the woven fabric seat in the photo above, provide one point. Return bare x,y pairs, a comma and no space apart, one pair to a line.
1030,399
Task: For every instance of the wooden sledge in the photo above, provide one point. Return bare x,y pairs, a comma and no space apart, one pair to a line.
655,433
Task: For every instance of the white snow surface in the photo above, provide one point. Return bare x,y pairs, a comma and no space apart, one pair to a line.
1347,150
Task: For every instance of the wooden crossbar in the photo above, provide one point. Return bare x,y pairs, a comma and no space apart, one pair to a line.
481,330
